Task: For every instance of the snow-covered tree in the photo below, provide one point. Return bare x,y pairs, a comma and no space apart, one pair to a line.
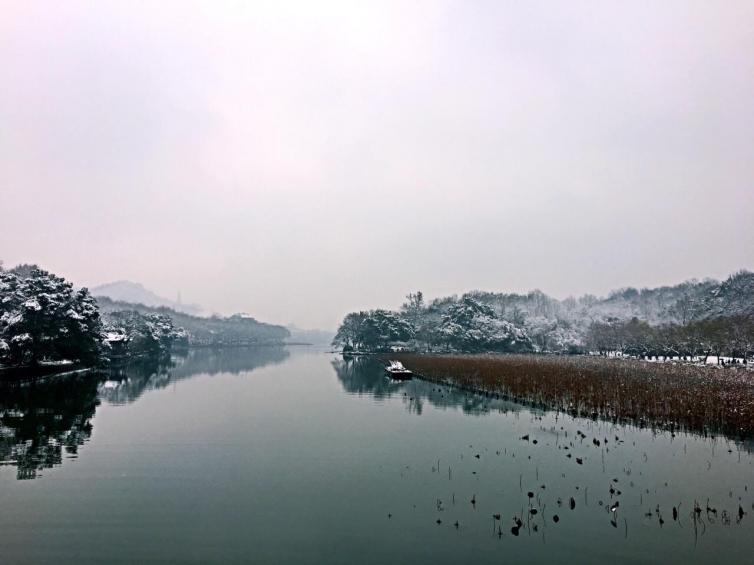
472,326
553,334
43,317
375,330
129,333
382,328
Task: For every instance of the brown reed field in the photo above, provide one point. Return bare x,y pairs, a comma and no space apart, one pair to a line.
671,396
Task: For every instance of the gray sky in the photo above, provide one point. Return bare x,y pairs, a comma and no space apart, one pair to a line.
300,160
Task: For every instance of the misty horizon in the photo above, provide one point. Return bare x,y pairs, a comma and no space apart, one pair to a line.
399,300
201,310
300,161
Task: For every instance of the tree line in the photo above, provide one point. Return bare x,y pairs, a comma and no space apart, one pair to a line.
480,322
731,336
43,318
465,325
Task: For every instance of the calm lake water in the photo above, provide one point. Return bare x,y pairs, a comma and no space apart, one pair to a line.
293,455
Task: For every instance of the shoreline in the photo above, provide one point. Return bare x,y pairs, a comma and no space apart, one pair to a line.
25,379
28,374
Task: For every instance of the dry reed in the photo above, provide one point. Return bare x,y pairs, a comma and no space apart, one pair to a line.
671,396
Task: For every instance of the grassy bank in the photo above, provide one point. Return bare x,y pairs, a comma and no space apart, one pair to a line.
666,395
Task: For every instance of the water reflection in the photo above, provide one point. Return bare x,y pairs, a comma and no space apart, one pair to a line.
366,376
293,466
43,422
126,384
547,475
39,423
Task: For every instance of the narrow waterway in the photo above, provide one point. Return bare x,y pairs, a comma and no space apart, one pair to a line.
294,455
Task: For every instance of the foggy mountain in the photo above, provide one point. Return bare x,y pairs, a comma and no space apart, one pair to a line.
239,329
314,337
135,293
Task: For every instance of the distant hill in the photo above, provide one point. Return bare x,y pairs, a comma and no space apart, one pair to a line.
315,337
240,329
681,303
733,297
135,293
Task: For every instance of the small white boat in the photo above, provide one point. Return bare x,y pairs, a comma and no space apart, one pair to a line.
396,370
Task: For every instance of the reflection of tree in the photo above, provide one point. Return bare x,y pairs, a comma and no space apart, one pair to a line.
40,421
229,360
127,383
366,375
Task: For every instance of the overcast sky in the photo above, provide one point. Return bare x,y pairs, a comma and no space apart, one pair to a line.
300,160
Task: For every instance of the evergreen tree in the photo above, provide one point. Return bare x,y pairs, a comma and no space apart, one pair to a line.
43,318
